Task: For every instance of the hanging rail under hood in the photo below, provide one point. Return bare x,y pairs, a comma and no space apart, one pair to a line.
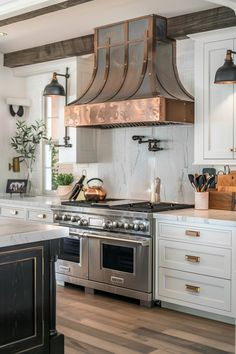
134,81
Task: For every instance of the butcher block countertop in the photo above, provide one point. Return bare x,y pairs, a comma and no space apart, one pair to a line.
208,217
17,232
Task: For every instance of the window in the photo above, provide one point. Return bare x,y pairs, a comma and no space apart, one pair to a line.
50,152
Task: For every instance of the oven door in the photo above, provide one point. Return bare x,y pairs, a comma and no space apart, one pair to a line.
120,260
73,256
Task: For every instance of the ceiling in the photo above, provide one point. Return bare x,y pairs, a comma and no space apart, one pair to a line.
15,7
80,20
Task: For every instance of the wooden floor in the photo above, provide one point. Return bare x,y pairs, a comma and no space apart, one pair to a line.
104,324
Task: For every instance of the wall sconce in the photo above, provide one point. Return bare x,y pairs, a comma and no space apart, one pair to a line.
56,89
226,74
15,165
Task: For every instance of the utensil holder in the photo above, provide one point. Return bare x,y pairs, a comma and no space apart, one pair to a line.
201,200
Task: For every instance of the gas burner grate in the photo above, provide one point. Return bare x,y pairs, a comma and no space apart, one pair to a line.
87,203
148,207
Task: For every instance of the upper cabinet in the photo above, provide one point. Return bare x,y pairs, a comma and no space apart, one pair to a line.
215,113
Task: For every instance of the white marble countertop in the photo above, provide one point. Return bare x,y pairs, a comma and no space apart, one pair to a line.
16,232
36,202
210,216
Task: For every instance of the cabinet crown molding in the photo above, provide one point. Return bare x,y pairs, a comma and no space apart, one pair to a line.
217,35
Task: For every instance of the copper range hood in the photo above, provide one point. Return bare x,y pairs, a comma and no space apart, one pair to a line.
134,81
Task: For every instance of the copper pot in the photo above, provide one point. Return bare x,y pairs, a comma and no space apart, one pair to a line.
95,193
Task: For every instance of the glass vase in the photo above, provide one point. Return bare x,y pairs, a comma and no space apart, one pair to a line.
29,190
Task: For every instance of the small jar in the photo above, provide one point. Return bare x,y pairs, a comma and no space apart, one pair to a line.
201,200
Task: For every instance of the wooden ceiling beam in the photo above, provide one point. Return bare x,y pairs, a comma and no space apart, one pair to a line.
42,11
59,50
178,27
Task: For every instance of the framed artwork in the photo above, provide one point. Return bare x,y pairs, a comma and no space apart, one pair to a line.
16,186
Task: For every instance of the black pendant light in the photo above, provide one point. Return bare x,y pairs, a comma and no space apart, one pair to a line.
56,89
226,74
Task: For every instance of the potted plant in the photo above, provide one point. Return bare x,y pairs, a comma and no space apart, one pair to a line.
26,141
64,184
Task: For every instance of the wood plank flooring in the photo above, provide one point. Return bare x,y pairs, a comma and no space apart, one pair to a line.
105,324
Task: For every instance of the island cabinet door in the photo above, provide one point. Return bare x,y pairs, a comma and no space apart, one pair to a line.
22,300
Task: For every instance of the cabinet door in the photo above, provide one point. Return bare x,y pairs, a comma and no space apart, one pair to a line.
22,301
218,126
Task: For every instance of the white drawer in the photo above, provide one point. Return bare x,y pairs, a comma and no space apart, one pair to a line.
193,233
18,213
196,289
194,258
40,215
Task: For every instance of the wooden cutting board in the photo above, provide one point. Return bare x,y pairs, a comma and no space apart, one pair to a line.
227,183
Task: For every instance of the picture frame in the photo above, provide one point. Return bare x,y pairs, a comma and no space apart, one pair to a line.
16,186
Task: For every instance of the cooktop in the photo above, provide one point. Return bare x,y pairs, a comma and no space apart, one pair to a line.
129,205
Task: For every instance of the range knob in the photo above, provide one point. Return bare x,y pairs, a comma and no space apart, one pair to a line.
120,224
65,217
131,226
57,217
142,227
83,222
108,224
126,226
115,224
74,218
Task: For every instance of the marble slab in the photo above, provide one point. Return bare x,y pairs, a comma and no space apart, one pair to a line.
208,217
17,232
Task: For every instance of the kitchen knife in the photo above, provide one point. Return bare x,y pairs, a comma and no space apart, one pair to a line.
77,188
212,172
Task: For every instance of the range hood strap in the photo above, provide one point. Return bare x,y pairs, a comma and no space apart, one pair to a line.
106,74
125,62
144,67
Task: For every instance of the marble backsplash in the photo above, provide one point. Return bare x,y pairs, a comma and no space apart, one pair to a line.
128,168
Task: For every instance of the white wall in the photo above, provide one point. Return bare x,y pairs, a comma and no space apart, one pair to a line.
10,87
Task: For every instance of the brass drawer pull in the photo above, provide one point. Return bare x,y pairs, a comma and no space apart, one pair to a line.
64,269
13,212
192,288
192,259
233,150
42,216
192,233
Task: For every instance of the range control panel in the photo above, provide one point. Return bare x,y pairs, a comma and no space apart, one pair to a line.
109,223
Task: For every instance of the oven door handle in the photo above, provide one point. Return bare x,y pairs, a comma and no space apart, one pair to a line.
142,243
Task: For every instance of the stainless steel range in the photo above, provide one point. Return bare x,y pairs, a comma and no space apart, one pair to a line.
109,246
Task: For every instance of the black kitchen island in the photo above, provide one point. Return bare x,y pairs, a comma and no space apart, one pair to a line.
28,252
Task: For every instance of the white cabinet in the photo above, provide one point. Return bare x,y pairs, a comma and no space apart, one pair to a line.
40,215
13,212
193,266
215,113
